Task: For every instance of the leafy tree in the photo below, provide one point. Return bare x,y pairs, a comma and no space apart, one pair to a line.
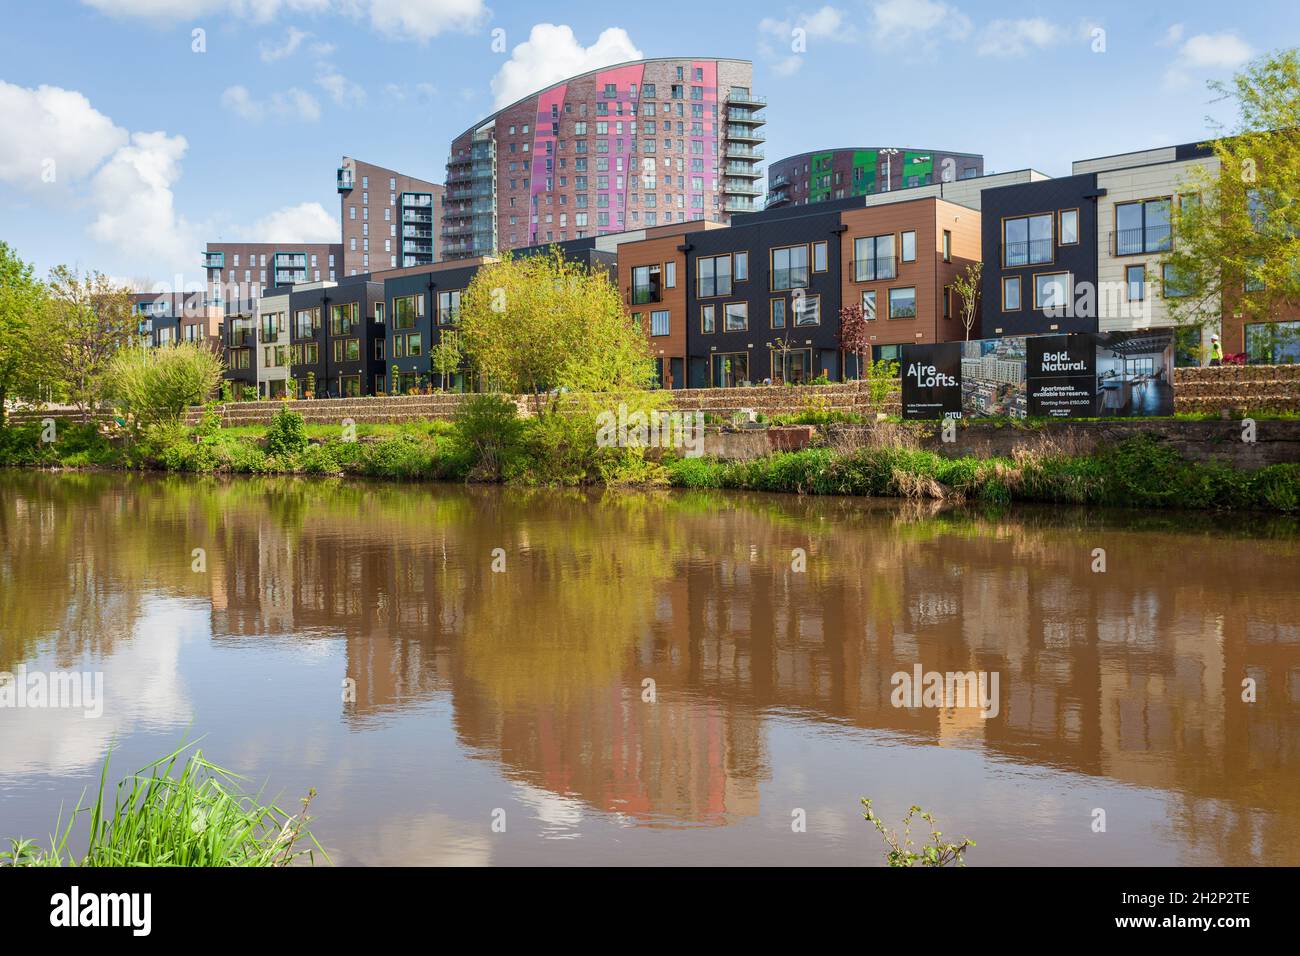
287,433
158,385
855,334
91,318
1237,220
534,324
447,355
904,852
24,357
966,288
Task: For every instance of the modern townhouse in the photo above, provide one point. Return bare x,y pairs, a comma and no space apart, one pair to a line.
421,306
899,263
1137,193
1039,246
827,174
272,353
763,299
653,279
337,344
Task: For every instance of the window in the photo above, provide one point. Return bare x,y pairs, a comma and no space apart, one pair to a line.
736,316
645,284
873,258
306,323
708,319
778,313
808,310
1135,277
902,303
819,257
1051,290
343,318
379,350
1273,343
449,307
1027,240
789,268
1254,282
659,322
742,266
1142,227
347,350
406,309
947,246
909,247
947,302
1011,293
1174,287
713,274
1069,227
414,344
670,274
869,304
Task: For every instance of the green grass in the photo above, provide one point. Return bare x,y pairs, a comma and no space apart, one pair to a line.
1139,472
180,810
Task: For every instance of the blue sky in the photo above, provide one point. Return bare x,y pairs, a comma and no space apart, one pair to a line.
123,148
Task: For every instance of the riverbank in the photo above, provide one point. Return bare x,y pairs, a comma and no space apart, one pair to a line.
1144,470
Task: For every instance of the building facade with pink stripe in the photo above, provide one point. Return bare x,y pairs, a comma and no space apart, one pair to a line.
625,147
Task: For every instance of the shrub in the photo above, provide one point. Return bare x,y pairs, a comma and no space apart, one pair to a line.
287,433
157,385
488,428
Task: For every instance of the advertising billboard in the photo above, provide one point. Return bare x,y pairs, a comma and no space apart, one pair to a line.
1076,375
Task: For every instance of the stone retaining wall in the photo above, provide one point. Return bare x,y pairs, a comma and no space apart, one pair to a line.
1237,388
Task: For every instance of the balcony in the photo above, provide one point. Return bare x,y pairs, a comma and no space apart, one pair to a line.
1033,252
743,97
745,134
417,217
739,205
241,338
214,260
346,179
414,200
875,270
736,115
290,277
777,181
776,199
741,151
1135,242
748,170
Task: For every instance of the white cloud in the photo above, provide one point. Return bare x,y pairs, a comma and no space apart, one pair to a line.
272,51
399,19
1018,37
788,66
293,103
50,124
900,21
424,19
1172,35
133,196
1206,53
304,223
340,89
552,53
826,23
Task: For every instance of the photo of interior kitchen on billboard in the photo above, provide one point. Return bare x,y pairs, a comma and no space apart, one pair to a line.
1075,375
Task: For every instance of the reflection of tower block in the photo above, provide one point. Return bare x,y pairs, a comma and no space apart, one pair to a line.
960,726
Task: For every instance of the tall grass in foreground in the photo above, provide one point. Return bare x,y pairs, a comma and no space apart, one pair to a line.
158,818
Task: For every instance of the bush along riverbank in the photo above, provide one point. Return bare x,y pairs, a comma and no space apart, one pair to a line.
488,442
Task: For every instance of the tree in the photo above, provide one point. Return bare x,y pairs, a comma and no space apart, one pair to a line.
24,356
91,318
540,323
1236,220
966,288
158,385
447,355
855,334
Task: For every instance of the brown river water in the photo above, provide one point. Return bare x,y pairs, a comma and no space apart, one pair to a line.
661,677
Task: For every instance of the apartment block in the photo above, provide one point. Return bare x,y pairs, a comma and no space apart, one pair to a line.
421,305
271,357
635,145
166,318
337,337
238,271
390,220
844,173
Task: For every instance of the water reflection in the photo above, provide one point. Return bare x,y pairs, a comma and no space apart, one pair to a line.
1131,677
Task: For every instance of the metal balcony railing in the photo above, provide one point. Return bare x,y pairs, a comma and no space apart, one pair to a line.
1132,242
1029,253
872,270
